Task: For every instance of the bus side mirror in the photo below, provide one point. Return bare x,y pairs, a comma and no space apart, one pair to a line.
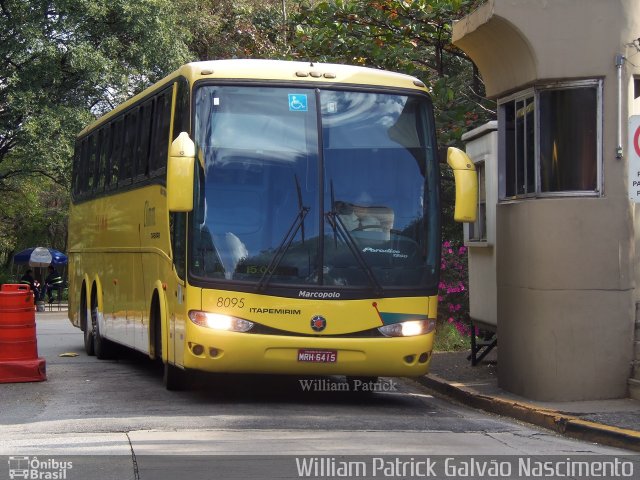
180,174
466,179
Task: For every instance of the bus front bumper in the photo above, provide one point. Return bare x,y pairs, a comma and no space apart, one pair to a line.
233,352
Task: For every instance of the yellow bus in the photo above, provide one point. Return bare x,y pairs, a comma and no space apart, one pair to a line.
258,216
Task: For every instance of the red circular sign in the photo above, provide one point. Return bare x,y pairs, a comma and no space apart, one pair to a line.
635,141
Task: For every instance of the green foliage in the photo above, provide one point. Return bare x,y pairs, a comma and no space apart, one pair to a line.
449,339
63,62
234,29
33,214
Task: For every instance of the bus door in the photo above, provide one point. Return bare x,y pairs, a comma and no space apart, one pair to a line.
176,295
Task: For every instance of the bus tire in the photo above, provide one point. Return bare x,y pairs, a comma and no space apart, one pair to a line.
104,349
173,379
155,324
89,346
86,325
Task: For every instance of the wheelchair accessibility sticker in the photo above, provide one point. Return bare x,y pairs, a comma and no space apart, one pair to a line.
297,102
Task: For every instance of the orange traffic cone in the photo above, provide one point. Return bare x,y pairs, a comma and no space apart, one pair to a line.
19,360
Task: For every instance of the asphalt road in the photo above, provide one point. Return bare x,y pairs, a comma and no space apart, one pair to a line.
117,415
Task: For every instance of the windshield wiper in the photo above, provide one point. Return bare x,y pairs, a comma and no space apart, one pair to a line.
300,206
298,224
340,230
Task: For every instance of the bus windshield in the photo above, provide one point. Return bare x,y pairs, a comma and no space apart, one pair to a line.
308,187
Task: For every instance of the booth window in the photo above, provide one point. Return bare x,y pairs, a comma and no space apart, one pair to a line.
550,141
478,229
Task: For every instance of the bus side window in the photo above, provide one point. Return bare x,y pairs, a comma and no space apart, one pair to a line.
145,116
126,160
76,170
93,161
181,117
87,147
82,167
107,145
161,124
98,181
116,151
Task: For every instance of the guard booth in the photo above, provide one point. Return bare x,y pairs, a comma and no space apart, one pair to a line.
480,239
566,238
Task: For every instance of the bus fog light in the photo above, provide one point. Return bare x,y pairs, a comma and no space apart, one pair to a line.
217,321
409,329
197,350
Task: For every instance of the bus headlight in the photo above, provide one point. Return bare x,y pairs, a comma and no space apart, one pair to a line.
408,329
218,321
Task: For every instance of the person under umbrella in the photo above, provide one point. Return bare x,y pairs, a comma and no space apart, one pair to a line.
27,279
53,282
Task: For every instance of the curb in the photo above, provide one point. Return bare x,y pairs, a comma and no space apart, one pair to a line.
555,420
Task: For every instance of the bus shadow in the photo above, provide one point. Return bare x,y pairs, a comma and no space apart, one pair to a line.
289,388
263,388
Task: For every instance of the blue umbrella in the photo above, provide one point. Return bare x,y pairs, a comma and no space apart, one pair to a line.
40,257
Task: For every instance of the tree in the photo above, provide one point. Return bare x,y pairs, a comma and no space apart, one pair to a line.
62,62
235,28
64,59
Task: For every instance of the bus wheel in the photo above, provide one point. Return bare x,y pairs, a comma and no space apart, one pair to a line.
88,340
156,329
87,326
103,347
174,379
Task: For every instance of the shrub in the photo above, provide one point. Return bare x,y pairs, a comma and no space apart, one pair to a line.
453,297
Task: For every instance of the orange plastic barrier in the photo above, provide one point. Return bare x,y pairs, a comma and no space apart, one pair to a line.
19,360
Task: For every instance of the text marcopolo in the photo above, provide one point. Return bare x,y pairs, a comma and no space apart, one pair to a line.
321,295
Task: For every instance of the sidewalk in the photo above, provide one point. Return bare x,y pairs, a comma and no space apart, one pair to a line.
54,307
610,422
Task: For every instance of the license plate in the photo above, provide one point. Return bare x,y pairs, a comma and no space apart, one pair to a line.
317,356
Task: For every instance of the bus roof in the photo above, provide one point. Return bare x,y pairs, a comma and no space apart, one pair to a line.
275,70
303,71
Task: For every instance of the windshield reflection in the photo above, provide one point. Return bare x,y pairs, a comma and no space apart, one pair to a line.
265,216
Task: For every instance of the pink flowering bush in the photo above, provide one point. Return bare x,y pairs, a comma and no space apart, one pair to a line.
453,290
